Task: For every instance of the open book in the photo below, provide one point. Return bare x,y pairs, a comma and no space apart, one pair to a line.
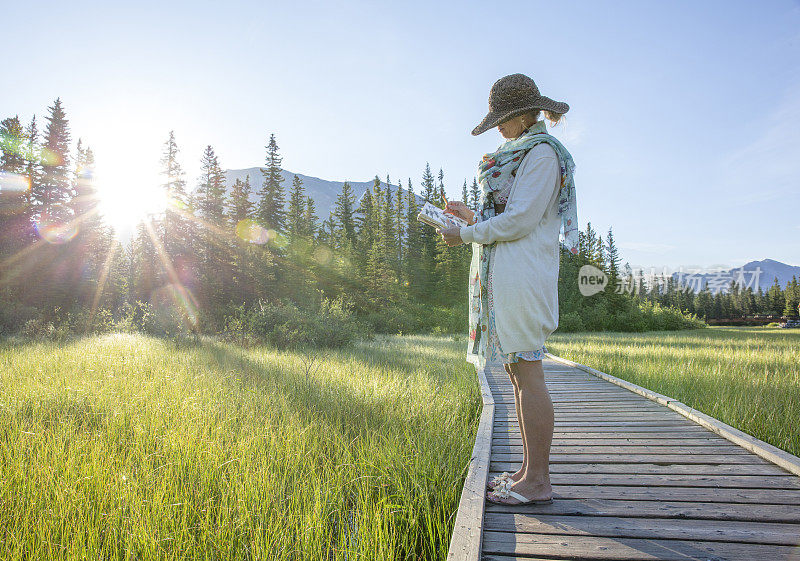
436,217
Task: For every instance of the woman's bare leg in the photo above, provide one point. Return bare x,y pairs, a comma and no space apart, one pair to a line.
536,424
517,475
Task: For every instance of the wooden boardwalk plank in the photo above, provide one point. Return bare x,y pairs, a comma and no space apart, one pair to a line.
635,475
774,533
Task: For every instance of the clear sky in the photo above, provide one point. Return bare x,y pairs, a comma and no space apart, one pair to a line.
684,117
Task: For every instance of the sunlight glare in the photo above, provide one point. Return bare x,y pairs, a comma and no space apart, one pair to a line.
126,200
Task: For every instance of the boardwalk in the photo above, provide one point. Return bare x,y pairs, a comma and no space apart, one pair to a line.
632,479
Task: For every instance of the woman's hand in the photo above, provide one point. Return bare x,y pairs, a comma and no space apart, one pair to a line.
457,208
451,236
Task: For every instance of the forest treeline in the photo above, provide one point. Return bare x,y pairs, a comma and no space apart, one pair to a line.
214,262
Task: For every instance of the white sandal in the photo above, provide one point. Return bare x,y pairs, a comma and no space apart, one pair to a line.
505,492
504,479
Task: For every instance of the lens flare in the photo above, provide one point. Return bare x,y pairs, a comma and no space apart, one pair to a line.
13,183
174,303
54,226
251,231
323,255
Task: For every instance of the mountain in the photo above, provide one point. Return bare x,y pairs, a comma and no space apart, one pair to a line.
323,192
755,274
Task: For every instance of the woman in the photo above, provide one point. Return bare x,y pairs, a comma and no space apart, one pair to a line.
527,195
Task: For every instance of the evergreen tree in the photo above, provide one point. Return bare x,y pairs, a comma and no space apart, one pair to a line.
343,212
240,207
214,250
428,185
474,195
295,221
465,194
55,188
271,206
311,220
400,229
175,228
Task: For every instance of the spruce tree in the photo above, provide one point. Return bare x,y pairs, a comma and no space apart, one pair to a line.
474,195
295,226
240,207
271,205
343,212
55,188
465,194
175,228
311,227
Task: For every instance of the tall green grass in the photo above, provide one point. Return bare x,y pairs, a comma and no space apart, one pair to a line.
747,377
129,447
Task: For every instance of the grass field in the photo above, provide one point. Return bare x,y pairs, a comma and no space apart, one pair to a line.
747,377
128,447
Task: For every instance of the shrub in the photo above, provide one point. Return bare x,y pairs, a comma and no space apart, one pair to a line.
286,326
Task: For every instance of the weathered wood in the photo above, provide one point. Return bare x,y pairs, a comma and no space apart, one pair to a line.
764,470
595,439
670,479
690,494
465,542
624,449
772,453
623,458
659,509
633,549
610,526
633,480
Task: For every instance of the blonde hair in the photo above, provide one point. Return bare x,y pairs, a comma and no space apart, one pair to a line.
552,116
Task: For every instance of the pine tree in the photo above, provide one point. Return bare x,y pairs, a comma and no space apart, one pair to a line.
428,185
55,188
465,194
271,206
14,202
295,226
474,195
240,207
214,250
343,212
311,219
175,228
400,229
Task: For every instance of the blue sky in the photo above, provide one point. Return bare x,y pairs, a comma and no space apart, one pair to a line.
683,124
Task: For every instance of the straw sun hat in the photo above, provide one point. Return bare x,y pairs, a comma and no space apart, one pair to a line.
514,95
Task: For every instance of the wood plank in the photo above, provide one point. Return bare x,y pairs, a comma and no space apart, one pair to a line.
604,423
465,540
643,458
674,480
631,549
625,449
682,429
763,470
658,509
600,440
689,494
664,528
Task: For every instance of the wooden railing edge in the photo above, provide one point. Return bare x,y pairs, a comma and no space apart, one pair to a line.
465,542
763,449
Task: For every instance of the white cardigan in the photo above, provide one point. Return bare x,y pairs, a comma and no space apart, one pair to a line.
525,265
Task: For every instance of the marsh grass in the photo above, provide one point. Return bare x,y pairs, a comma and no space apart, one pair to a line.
747,377
130,447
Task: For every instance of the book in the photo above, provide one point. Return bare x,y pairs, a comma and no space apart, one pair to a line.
438,218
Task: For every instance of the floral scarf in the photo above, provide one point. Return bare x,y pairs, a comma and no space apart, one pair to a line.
495,171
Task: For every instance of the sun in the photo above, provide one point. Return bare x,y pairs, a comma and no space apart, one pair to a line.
125,200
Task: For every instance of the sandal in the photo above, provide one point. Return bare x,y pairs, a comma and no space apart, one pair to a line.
504,492
498,480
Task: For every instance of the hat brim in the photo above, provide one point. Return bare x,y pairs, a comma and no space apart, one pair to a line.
494,118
